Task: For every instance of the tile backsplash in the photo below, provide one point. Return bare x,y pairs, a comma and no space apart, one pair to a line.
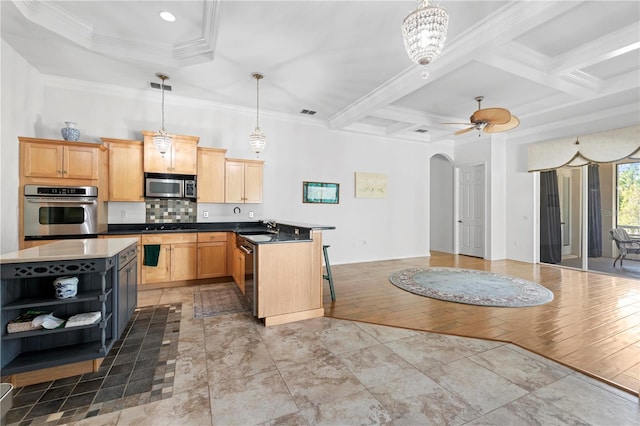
170,210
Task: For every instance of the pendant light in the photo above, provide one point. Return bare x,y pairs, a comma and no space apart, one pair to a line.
257,139
424,31
162,140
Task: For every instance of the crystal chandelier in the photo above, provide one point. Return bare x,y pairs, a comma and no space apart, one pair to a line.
424,31
162,140
257,139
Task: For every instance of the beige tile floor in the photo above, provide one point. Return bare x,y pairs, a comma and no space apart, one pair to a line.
231,370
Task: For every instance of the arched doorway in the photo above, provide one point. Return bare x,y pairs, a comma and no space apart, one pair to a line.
441,226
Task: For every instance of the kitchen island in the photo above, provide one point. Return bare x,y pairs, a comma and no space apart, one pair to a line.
107,284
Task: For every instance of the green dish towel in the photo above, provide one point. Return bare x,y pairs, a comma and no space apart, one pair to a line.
151,254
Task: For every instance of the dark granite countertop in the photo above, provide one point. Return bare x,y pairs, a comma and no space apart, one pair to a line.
256,232
158,228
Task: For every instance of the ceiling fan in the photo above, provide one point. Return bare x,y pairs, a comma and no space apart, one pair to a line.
489,120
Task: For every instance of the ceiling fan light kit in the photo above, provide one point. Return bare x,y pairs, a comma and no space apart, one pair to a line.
162,140
489,120
424,32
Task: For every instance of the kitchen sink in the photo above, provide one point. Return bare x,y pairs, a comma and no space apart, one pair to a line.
261,238
262,232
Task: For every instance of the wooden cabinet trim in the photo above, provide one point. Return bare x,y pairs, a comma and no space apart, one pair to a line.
206,237
148,133
242,160
176,238
99,146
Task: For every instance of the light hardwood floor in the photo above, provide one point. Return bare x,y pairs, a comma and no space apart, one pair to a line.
592,325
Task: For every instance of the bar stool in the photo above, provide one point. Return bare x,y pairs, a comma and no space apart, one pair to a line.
328,275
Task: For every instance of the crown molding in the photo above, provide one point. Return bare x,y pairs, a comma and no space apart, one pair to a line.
57,19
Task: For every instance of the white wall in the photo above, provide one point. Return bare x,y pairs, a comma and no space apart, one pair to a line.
497,202
441,201
298,149
22,102
521,227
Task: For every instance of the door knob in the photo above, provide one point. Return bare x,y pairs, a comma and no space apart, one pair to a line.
459,221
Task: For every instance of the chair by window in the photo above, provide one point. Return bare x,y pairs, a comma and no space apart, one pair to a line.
626,244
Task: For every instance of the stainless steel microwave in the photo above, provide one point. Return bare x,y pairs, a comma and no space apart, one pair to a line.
160,185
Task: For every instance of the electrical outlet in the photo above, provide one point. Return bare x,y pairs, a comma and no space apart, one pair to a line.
123,213
250,214
205,214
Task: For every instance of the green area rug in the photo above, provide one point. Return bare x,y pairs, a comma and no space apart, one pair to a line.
471,286
221,299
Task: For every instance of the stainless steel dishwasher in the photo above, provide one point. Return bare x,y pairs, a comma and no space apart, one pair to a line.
250,277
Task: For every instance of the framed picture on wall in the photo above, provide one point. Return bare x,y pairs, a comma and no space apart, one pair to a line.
371,185
320,192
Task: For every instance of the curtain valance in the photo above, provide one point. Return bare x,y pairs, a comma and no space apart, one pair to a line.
605,147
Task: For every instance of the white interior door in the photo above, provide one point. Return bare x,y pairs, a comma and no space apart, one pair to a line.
471,211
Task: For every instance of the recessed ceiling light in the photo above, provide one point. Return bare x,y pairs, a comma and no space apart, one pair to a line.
167,16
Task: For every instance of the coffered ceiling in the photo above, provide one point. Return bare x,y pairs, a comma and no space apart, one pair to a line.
565,68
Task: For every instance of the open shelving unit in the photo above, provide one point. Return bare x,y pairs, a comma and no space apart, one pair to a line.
29,286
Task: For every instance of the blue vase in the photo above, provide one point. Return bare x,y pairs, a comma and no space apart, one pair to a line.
70,133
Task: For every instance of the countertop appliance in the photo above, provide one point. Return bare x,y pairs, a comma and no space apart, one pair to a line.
161,185
248,249
60,210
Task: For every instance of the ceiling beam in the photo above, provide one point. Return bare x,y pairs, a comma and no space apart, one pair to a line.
510,21
614,44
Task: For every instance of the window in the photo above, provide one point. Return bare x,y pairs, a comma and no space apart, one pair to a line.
628,197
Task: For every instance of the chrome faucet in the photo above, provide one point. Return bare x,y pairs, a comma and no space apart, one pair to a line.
272,224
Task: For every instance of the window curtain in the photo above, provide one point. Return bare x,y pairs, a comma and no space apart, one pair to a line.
550,231
595,212
605,147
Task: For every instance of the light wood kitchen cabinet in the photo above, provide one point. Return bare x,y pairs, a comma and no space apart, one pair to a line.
239,268
212,254
243,181
182,157
126,176
49,158
177,260
211,170
184,261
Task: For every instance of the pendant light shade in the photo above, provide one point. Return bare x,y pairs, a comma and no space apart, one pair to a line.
162,140
424,32
257,139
